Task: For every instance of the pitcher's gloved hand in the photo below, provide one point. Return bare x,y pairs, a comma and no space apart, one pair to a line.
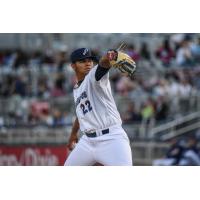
121,61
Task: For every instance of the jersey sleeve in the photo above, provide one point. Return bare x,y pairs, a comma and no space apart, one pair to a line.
99,75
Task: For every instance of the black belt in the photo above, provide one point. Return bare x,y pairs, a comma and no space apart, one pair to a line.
94,134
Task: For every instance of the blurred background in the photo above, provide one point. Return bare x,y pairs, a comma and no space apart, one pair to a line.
160,105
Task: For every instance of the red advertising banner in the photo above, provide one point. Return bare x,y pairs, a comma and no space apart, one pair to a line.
33,155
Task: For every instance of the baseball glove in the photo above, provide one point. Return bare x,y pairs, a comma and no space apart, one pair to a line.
121,61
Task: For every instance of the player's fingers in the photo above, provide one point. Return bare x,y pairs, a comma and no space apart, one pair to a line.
69,146
70,149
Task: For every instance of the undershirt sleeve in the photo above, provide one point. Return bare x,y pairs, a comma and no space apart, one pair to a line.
100,72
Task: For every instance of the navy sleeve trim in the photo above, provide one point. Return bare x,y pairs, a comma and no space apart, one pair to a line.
100,72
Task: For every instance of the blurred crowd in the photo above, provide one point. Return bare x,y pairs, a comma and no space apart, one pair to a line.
167,82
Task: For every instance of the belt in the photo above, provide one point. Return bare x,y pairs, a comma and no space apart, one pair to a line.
96,134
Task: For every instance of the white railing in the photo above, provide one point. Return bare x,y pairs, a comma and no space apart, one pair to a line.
169,128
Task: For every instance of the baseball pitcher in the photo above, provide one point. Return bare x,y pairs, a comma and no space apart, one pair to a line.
104,140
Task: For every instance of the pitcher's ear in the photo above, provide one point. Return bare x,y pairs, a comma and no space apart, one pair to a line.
73,66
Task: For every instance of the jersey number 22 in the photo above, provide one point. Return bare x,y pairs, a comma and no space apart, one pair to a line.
86,107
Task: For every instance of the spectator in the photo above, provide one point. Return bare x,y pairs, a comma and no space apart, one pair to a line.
20,86
48,58
58,119
42,88
58,89
148,110
184,56
162,109
144,52
177,39
165,53
195,49
185,89
61,60
20,59
173,155
124,85
67,119
132,52
131,115
7,86
161,88
8,58
35,59
191,156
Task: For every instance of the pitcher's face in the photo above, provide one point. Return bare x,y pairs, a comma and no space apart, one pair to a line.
83,66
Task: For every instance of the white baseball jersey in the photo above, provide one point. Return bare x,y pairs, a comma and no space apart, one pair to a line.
95,106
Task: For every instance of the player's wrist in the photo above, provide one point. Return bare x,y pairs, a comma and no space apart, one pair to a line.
104,62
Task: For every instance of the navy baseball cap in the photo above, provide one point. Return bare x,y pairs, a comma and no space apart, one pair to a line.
81,54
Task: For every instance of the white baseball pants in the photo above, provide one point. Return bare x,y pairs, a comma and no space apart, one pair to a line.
112,149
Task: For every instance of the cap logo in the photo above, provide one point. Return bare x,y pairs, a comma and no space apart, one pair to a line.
85,51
